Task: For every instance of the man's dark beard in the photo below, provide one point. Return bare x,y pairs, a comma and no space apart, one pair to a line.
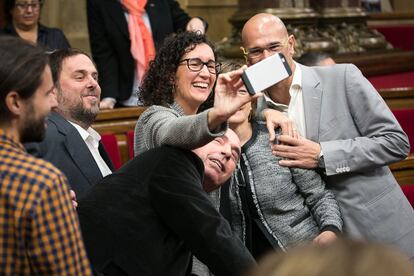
34,129
86,116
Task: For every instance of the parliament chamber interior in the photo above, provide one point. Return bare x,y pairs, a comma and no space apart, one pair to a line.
382,48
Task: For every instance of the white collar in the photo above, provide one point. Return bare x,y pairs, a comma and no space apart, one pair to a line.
85,133
296,84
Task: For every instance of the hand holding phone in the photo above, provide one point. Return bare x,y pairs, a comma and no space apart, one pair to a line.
266,73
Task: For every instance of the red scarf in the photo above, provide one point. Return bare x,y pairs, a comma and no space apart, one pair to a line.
142,45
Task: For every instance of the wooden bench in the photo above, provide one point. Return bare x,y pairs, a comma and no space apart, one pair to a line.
118,121
399,97
403,171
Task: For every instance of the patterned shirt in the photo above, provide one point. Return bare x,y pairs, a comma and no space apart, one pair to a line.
39,229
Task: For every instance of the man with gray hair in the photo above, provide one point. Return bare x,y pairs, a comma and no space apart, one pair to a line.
39,228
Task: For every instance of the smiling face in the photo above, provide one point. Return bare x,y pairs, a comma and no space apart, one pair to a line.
192,88
78,90
220,157
26,13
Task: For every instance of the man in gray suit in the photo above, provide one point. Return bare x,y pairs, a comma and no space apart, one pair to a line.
348,132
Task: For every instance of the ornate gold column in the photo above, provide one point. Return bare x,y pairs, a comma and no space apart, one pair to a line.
346,23
335,26
298,15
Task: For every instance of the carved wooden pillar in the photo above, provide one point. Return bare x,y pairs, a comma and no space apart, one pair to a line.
336,26
345,22
298,15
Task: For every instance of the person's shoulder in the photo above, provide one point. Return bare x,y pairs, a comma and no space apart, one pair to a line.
175,155
7,30
57,123
39,170
157,110
50,30
331,69
331,73
170,152
154,108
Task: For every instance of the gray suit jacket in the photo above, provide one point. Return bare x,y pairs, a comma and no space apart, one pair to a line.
359,137
64,147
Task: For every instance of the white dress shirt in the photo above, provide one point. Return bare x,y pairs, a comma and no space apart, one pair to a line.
92,138
295,110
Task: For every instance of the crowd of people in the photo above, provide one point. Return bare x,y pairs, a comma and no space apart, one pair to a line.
288,181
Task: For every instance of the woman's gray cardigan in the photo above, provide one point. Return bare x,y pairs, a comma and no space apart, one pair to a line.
293,204
159,125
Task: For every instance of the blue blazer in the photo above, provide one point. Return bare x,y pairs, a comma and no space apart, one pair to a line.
64,147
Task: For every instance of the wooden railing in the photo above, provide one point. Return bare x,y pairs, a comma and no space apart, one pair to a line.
118,121
403,171
400,97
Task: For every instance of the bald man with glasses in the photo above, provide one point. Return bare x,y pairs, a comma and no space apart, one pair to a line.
347,132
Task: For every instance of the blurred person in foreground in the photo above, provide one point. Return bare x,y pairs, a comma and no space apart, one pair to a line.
40,232
341,258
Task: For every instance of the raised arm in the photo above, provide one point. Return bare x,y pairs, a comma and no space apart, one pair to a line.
159,126
380,140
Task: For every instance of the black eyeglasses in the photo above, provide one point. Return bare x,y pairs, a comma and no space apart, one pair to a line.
25,5
196,65
257,52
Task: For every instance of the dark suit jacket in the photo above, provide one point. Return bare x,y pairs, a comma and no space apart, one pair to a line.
110,43
48,38
64,147
145,219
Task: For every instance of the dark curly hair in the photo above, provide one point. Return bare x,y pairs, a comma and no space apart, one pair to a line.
158,82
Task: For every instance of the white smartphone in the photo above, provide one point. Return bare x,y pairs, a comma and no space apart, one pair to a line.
266,73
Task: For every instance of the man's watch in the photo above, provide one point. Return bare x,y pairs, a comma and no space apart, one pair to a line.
321,160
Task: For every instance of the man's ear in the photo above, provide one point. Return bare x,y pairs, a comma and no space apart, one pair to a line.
291,43
14,103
